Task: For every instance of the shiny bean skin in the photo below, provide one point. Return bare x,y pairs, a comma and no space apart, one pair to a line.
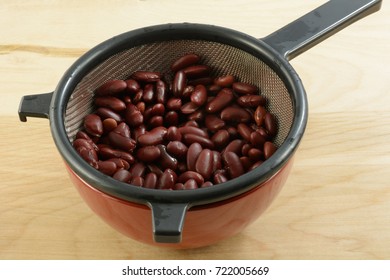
133,116
194,138
220,178
177,149
214,123
111,87
185,61
137,181
161,92
173,134
171,118
122,175
121,142
196,71
192,155
146,76
166,160
255,154
244,88
233,165
150,181
148,95
89,155
109,124
148,153
199,96
245,131
269,149
107,153
155,169
153,137
252,100
190,185
105,113
179,186
120,163
110,102
80,142
93,125
123,129
167,180
132,85
205,163
235,115
259,115
107,167
189,108
221,138
270,124
235,146
187,175
138,169
223,98
192,130
179,83
174,104
207,184
257,140
225,81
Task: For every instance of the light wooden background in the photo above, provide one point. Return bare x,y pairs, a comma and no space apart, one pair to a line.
336,203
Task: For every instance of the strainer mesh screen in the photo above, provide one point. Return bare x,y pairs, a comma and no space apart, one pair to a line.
223,59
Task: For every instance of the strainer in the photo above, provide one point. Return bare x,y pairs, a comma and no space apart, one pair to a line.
260,62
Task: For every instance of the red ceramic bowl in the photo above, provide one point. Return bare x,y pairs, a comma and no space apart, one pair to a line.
192,218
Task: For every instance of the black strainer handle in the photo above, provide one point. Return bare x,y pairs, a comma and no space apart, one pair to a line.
319,24
36,105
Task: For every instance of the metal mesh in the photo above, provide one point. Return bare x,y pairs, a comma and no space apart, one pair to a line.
223,59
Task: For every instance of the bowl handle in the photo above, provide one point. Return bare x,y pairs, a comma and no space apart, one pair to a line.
36,105
168,220
319,24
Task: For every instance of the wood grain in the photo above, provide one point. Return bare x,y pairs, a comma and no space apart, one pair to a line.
336,201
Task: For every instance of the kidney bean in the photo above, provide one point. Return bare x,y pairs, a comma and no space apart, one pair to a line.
174,104
123,129
269,149
198,115
255,154
120,163
270,124
156,121
177,149
122,175
171,118
153,137
189,108
133,116
188,90
81,142
138,169
179,83
185,61
245,131
111,87
223,98
146,76
214,123
121,142
167,179
235,146
235,115
106,167
199,96
217,161
148,153
179,186
166,160
207,184
173,134
132,85
259,115
161,92
150,181
252,100
105,113
233,164
245,149
192,130
187,175
246,162
192,155
155,169
138,131
110,102
109,124
190,185
220,138
137,181
192,123
225,81
196,71
137,97
201,81
219,178
89,155
148,95
107,152
257,140
213,89
205,163
93,125
195,138
244,88
232,132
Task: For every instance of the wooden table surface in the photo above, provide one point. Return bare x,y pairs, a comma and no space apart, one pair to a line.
336,202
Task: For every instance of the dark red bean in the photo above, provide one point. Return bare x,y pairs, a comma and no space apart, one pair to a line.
179,186
192,155
111,87
122,175
138,169
245,88
207,184
192,130
257,140
123,129
89,155
196,71
173,134
106,167
80,142
138,131
105,113
179,83
166,160
221,139
93,125
194,138
235,115
189,108
233,165
269,149
133,116
120,163
214,123
225,81
153,137
217,161
121,142
223,98
148,153
156,121
150,181
132,85
161,92
270,124
148,95
174,104
110,102
255,154
235,146
171,118
256,164
219,178
167,180
177,149
109,124
187,175
205,163
107,153
259,115
155,169
246,162
190,185
245,131
146,76
137,181
199,96
252,100
185,61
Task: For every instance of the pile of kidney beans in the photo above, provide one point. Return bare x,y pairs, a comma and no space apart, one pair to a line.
191,132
